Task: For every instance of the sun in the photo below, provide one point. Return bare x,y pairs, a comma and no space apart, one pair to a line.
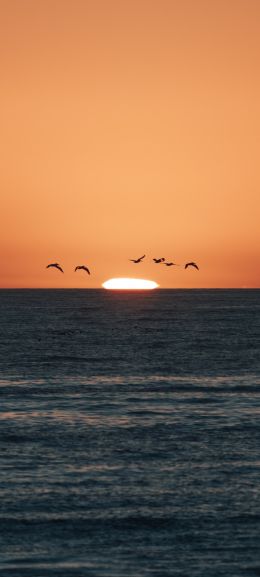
129,284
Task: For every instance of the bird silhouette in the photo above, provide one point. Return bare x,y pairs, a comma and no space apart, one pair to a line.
55,265
82,267
191,264
137,259
171,264
158,260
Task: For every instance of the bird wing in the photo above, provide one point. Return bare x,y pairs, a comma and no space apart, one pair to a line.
191,264
141,257
58,267
77,267
86,269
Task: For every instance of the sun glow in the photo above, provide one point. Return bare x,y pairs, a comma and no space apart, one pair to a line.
129,284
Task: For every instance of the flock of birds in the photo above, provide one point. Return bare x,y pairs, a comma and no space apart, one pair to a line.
162,261
134,260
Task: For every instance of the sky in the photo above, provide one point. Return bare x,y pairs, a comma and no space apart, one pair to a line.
130,127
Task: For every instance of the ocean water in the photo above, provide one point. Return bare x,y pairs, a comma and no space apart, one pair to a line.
129,433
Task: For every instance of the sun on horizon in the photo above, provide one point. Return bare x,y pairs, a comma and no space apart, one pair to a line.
129,284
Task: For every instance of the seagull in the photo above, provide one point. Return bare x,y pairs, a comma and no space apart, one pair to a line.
191,264
55,265
171,264
157,260
138,259
82,267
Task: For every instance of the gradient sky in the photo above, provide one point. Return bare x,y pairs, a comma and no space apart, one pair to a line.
130,127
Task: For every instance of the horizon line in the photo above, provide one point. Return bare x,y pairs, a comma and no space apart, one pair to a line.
157,288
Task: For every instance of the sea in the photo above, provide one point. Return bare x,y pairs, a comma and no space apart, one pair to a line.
129,433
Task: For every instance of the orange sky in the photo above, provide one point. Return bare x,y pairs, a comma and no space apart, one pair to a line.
130,127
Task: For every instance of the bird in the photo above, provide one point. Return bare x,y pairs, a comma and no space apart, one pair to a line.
158,260
137,260
55,265
83,268
191,264
171,264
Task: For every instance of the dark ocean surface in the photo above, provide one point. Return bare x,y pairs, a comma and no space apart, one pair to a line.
130,433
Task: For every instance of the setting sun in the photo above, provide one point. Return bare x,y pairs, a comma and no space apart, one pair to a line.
130,284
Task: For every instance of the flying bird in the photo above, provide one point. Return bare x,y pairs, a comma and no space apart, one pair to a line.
191,264
138,259
82,267
157,260
171,264
55,265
